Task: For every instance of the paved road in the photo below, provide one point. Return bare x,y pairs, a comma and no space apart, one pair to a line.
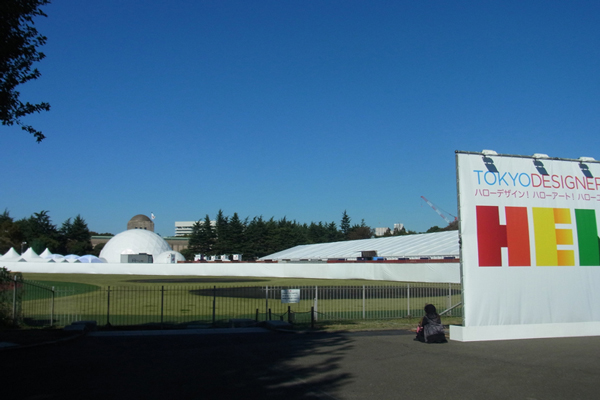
268,365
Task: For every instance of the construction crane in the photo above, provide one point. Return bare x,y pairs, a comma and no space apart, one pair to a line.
430,204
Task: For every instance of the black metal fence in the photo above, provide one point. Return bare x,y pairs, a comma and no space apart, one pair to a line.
23,302
215,306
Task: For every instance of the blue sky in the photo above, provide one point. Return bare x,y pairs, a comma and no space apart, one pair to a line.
301,109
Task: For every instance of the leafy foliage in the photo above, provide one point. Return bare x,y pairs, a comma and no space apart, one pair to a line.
361,231
258,237
8,281
75,237
39,233
18,51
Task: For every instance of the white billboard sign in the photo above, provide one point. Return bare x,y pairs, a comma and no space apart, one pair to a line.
530,256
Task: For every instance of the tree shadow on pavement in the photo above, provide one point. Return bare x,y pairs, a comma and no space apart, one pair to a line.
248,365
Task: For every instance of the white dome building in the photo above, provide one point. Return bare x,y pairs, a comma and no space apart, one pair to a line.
133,241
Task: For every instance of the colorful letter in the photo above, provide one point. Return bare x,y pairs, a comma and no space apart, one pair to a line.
547,237
491,236
587,235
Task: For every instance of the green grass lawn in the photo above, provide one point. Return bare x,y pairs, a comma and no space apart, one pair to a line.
176,299
39,289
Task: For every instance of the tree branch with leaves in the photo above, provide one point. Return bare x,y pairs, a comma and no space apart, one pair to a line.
19,43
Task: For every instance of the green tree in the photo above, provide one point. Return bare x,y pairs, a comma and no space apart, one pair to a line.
433,229
98,249
361,231
289,234
403,232
202,238
257,239
333,235
19,42
39,232
222,243
10,233
317,233
345,224
75,237
236,235
387,233
452,226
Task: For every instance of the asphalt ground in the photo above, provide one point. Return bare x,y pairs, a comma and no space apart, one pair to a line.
272,365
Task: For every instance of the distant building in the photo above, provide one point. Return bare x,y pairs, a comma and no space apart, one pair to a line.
141,221
185,228
382,231
177,243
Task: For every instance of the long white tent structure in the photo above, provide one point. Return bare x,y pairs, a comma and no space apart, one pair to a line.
412,258
429,245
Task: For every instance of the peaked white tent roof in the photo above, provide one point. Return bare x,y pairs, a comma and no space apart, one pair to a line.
46,253
11,255
438,245
31,256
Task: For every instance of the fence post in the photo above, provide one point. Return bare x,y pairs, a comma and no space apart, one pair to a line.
162,305
316,306
363,301
108,308
15,300
289,314
408,299
449,302
52,309
266,302
256,318
312,318
214,305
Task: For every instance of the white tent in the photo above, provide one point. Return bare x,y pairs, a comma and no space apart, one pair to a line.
58,258
31,256
12,256
72,258
88,258
166,257
46,253
427,245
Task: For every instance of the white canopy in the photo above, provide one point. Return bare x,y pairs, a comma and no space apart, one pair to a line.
31,256
12,255
72,258
438,245
88,258
46,253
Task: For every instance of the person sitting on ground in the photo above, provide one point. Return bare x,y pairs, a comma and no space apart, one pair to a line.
430,329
